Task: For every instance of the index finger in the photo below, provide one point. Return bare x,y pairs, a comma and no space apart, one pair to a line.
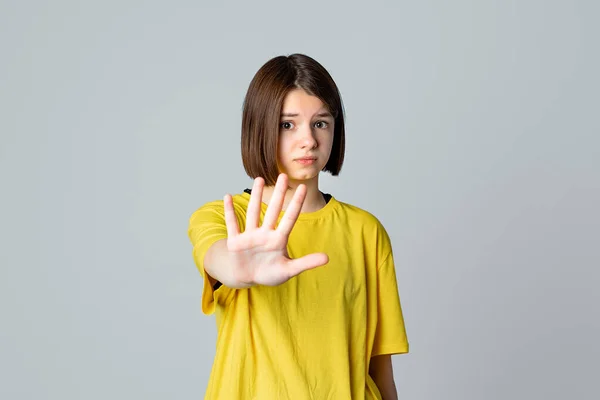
293,211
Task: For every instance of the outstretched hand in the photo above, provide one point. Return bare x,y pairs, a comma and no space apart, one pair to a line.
259,254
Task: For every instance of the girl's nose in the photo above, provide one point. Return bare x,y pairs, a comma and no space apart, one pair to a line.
308,138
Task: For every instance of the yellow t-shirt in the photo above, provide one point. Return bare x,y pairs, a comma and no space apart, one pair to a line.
313,336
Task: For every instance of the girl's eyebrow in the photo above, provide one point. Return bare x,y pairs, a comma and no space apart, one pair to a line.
323,114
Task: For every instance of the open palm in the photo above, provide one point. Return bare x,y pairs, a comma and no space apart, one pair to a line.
259,254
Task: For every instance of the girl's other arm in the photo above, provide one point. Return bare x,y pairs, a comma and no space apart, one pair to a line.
382,372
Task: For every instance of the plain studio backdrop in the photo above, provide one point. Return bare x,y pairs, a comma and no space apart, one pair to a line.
472,134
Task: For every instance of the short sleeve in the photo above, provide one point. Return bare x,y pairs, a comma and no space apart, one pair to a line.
390,332
206,226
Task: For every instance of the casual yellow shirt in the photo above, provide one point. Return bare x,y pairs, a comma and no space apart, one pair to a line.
313,336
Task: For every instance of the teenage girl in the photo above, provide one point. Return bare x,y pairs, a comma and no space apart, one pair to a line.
303,285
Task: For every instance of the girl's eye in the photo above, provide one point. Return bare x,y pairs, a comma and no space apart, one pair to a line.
286,125
324,124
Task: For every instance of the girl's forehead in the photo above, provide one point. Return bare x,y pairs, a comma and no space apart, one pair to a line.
298,101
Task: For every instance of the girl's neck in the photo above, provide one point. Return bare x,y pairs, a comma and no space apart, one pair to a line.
314,198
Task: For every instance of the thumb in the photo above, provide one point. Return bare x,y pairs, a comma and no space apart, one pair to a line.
299,265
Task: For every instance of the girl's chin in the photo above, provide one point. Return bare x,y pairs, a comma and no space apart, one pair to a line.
301,177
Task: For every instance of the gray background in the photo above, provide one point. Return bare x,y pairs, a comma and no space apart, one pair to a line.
472,131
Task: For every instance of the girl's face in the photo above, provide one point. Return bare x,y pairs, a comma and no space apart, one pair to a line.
305,136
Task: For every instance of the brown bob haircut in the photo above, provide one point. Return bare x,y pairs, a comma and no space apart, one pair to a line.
262,108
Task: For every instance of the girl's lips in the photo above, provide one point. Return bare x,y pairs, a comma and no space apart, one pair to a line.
306,161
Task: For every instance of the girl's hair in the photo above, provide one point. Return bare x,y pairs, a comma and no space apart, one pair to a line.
263,105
